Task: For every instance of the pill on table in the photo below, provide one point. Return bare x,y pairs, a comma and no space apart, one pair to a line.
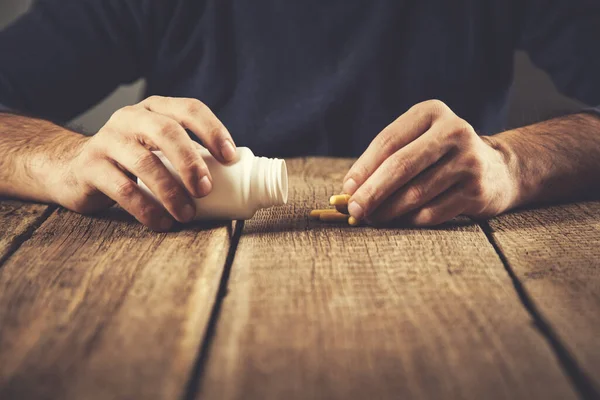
353,221
340,199
333,217
315,214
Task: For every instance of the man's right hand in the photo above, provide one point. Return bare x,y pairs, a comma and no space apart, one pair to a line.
97,170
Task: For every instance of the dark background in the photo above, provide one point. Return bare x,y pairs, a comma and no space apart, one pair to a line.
534,96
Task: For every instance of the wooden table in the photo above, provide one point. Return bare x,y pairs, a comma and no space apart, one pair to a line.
280,307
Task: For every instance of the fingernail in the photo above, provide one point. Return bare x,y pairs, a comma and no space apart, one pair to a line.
205,186
166,224
228,151
350,186
188,213
355,210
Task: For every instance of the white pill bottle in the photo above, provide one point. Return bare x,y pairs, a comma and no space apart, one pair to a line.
239,189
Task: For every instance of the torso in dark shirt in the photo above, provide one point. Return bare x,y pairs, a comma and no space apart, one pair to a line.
313,77
324,77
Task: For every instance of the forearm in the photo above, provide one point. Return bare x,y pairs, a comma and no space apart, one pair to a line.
30,153
552,161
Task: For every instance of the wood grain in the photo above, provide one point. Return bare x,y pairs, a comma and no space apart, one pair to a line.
100,307
555,254
328,311
18,220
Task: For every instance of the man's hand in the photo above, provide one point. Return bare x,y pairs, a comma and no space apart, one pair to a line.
428,167
97,171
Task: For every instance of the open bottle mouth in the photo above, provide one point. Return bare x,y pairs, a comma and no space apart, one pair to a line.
278,183
271,181
283,179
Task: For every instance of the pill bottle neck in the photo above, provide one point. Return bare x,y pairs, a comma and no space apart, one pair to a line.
269,182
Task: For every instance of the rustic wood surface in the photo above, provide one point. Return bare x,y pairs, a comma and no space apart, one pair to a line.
555,253
18,221
321,311
100,307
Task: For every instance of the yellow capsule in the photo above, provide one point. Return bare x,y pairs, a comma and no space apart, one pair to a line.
339,200
315,214
353,221
333,217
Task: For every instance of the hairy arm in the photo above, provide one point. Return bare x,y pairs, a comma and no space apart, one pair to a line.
30,152
42,161
555,160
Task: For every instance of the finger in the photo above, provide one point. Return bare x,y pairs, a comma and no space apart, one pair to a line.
142,163
409,126
420,191
397,170
113,182
166,134
194,115
448,205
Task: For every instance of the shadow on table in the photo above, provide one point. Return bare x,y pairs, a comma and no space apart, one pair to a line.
118,215
301,224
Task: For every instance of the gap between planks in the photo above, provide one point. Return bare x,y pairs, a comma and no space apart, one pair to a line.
23,237
193,385
579,379
369,345
567,362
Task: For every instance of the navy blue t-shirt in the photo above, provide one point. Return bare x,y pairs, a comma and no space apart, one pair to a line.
305,77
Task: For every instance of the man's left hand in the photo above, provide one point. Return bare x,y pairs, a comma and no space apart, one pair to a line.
427,167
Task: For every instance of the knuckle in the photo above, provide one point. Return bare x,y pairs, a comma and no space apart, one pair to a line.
80,203
476,190
194,106
154,99
435,103
123,112
172,194
400,167
189,160
436,106
466,128
146,213
145,163
460,132
419,110
359,172
217,133
126,189
386,143
427,216
371,195
473,164
169,129
429,110
415,195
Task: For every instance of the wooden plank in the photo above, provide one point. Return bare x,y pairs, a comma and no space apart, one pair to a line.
332,312
101,307
555,254
18,220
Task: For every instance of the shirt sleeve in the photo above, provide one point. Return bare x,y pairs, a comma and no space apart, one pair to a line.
64,56
593,110
562,37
